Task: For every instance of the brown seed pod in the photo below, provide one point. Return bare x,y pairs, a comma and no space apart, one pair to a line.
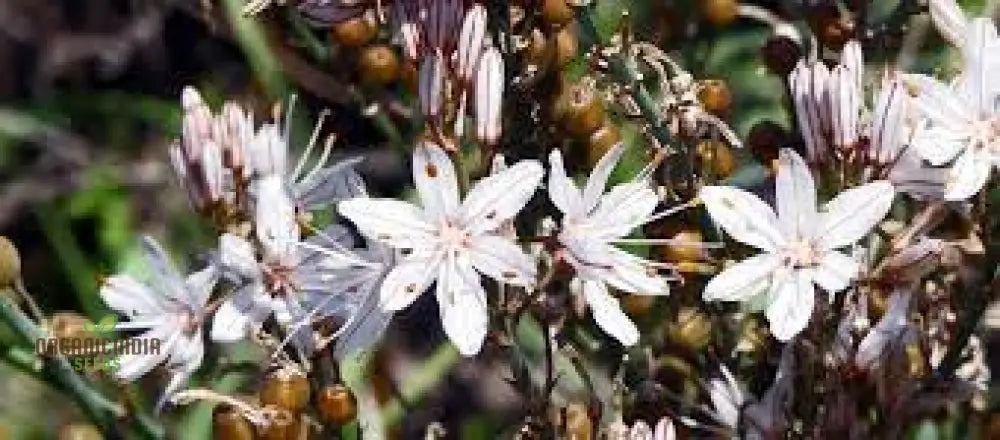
79,431
780,54
692,330
578,423
566,46
715,96
582,109
765,140
557,12
10,263
716,157
638,305
287,390
409,76
720,12
378,65
601,141
685,254
336,404
283,425
355,31
539,51
229,424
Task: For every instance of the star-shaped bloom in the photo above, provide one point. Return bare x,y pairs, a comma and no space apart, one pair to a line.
287,272
450,241
171,309
799,242
593,222
962,125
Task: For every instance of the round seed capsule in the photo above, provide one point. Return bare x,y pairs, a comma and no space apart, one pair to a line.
10,263
355,31
336,404
566,46
289,391
557,12
715,96
601,141
229,424
79,431
378,65
720,12
583,111
716,157
578,424
283,425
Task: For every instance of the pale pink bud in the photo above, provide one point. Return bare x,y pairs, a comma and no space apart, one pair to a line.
410,29
809,88
470,42
233,132
845,106
196,125
949,20
431,84
888,122
489,97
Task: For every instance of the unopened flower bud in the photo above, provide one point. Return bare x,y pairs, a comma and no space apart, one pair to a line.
233,131
431,85
489,97
196,125
471,42
10,263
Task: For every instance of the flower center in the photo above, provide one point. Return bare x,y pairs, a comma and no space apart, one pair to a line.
453,237
189,323
278,278
986,134
801,254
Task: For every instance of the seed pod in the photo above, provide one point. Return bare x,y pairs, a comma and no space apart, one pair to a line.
566,46
287,390
229,424
10,263
692,330
716,157
715,96
578,423
688,250
70,325
336,404
355,31
765,140
378,65
720,12
601,141
780,54
557,12
538,52
409,76
582,109
79,431
638,305
283,425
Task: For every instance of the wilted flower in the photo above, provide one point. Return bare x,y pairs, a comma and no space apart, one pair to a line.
171,310
963,120
889,330
593,222
449,240
800,242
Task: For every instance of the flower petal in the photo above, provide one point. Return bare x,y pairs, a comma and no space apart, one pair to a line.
396,223
743,215
796,195
967,176
853,213
502,260
276,227
130,297
500,196
938,144
620,211
888,329
434,175
742,280
939,102
462,303
562,191
165,275
977,84
835,271
608,313
791,305
236,254
599,176
406,282
949,20
200,285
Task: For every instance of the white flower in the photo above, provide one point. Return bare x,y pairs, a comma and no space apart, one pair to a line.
963,120
171,310
799,243
593,222
949,20
449,240
287,272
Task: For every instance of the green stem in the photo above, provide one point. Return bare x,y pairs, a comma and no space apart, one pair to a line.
422,380
57,371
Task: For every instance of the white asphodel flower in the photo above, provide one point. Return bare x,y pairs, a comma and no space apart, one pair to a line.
287,272
593,223
800,242
949,20
450,241
963,121
171,310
